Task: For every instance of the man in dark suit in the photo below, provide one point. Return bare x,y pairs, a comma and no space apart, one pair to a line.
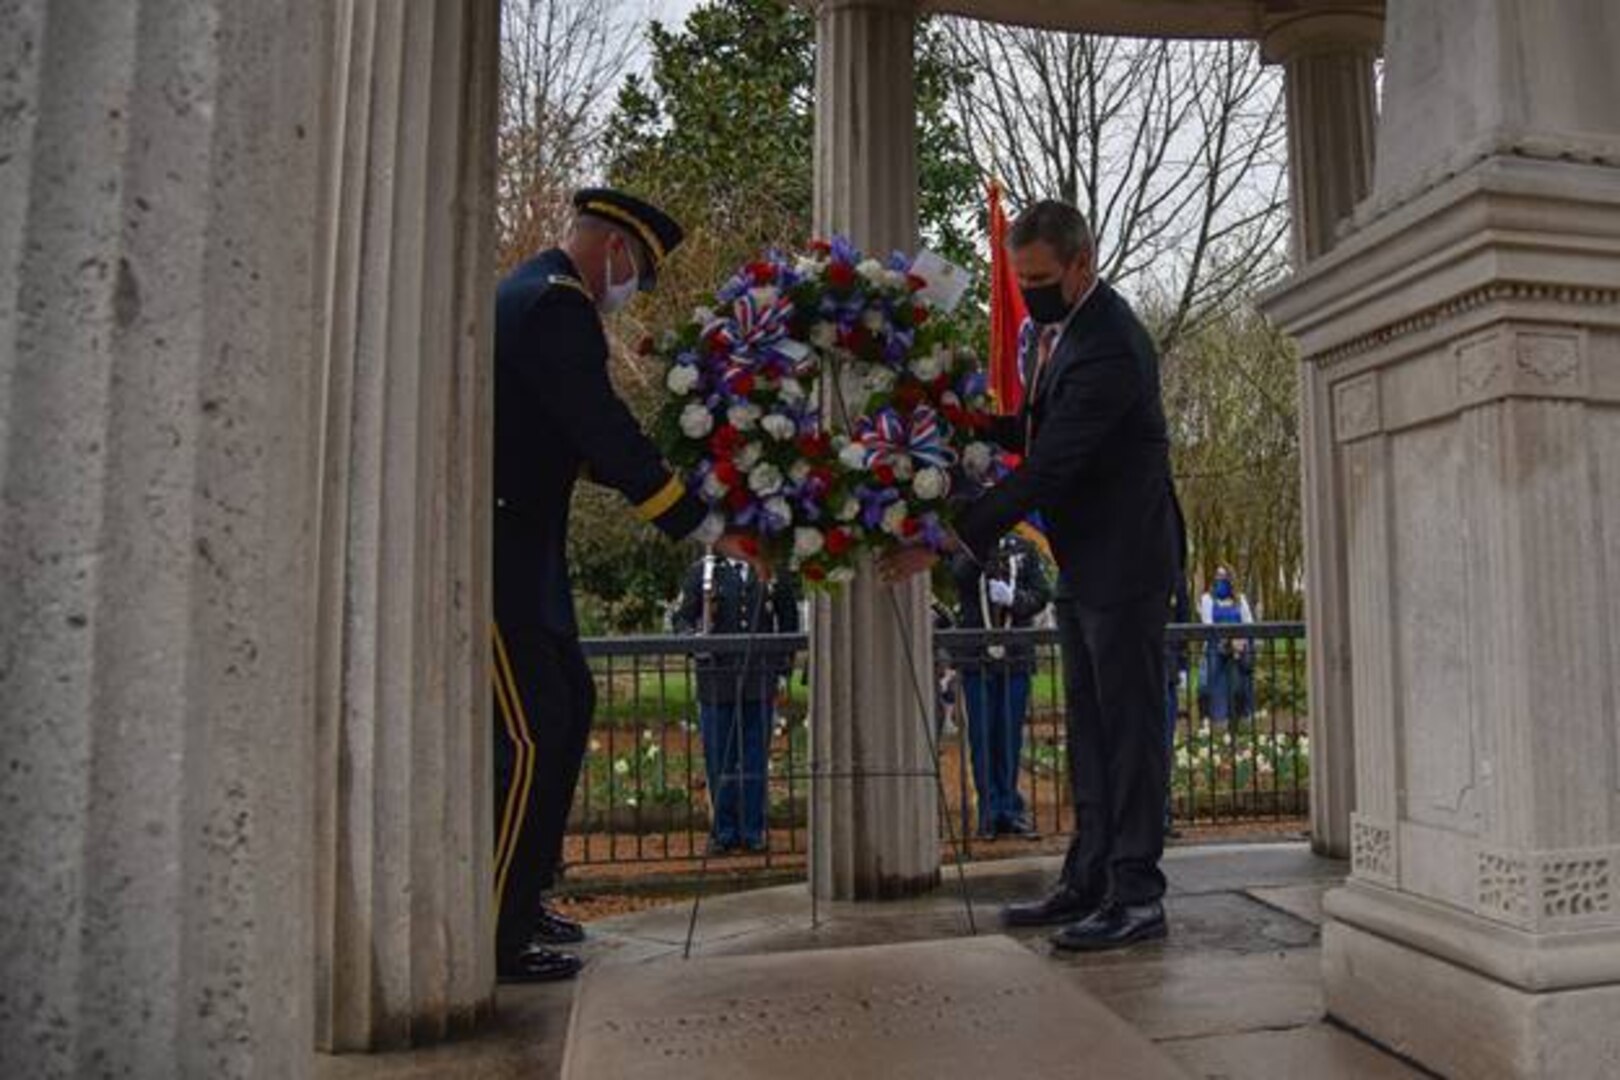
556,417
1097,466
737,690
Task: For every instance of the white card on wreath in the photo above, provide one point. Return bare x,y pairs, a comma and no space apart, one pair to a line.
946,282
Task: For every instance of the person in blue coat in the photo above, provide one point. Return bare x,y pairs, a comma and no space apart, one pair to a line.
1226,688
557,418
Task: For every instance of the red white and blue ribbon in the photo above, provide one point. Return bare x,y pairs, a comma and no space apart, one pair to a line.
886,438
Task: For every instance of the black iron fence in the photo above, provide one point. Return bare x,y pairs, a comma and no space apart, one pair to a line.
1235,726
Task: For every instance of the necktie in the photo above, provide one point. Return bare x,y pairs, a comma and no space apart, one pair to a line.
1044,347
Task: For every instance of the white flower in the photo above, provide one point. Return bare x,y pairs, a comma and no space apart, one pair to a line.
824,335
931,483
902,468
703,316
777,507
873,320
871,270
799,472
713,488
893,517
894,279
681,380
928,367
765,479
806,542
840,575
791,390
849,509
809,267
878,380
764,295
696,420
748,456
978,458
779,427
621,766
853,456
743,417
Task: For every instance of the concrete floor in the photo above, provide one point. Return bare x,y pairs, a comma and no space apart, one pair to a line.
1233,993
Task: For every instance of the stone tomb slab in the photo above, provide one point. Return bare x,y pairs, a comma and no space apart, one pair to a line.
967,1007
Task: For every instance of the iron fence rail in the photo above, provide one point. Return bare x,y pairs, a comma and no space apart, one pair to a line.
1236,695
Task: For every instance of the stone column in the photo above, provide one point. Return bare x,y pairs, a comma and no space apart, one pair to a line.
1327,58
403,821
1468,333
874,810
157,184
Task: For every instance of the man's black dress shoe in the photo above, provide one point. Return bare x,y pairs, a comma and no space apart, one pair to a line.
1113,927
551,928
1061,905
535,963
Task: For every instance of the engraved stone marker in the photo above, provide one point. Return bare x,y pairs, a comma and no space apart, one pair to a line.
970,1008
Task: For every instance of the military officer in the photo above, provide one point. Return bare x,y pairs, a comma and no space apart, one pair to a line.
557,416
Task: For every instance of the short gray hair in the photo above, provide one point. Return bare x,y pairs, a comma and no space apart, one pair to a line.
1059,224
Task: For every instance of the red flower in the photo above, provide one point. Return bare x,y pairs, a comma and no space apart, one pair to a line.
956,415
941,383
813,446
743,386
909,396
838,541
840,275
883,474
916,283
725,440
762,272
727,473
814,572
919,315
822,477
820,246
910,527
737,498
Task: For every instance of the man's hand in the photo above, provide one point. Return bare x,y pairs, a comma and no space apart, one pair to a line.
908,562
745,547
1001,593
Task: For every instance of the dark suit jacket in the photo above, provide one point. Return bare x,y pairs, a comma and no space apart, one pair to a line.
1097,466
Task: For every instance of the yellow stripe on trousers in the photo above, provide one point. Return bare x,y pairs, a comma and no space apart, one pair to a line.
517,794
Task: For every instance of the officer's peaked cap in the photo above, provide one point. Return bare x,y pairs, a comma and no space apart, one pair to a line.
659,233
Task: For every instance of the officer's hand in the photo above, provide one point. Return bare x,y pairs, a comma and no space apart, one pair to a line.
745,547
1001,593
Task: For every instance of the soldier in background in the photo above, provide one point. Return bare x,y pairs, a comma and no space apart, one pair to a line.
737,690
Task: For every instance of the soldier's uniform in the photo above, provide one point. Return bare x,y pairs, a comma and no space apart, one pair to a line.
556,416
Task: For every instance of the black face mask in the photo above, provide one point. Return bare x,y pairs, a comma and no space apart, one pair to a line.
1045,303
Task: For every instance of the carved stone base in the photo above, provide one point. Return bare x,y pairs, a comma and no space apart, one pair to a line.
1461,1023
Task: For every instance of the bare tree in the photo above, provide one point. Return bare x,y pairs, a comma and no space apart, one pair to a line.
1176,150
561,63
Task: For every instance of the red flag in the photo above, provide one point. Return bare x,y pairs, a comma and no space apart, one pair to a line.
1007,314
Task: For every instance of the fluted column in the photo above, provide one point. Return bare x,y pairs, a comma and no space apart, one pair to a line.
874,813
404,938
157,184
1466,333
1327,58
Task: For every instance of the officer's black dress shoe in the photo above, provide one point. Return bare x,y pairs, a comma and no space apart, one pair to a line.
551,928
535,963
1061,905
1113,927
716,848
